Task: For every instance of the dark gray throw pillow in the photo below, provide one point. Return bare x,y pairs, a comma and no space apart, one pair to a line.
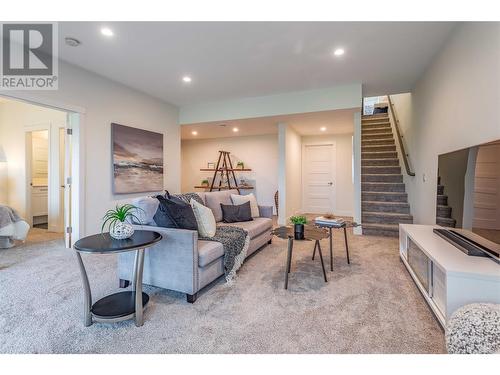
174,213
235,213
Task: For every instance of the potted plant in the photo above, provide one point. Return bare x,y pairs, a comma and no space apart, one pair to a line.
298,226
116,221
240,165
204,182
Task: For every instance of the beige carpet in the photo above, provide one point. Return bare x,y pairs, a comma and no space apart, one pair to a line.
371,306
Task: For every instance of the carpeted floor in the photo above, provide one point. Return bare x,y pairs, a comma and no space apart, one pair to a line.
371,306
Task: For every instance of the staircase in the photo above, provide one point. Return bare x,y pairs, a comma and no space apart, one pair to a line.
384,202
443,211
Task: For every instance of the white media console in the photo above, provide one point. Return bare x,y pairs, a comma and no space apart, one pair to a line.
447,278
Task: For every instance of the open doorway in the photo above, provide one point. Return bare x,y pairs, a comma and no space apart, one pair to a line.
36,143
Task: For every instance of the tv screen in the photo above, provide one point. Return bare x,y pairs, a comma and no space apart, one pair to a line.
468,192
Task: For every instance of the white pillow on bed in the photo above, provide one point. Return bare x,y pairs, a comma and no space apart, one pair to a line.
240,199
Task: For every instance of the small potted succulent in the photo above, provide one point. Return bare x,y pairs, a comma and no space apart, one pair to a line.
205,183
116,221
240,165
298,226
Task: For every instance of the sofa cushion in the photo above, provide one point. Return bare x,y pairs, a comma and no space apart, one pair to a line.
174,213
240,199
255,227
148,207
208,251
215,198
205,219
232,213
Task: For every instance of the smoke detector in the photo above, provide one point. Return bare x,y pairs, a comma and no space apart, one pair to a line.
72,42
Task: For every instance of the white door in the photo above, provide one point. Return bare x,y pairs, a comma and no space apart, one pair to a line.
318,172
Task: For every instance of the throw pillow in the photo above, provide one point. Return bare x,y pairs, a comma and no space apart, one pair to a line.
205,219
240,199
174,213
236,213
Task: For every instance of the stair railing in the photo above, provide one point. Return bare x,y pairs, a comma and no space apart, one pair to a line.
405,155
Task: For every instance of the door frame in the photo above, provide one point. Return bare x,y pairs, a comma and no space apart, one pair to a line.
75,122
334,170
28,150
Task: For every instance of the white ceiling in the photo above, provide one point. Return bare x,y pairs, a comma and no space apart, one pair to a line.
335,122
229,60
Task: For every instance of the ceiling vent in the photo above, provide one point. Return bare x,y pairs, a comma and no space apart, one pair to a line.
72,42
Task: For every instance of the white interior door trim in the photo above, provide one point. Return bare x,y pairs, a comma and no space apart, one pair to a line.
76,120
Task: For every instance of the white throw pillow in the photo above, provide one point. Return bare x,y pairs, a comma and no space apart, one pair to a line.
240,199
204,218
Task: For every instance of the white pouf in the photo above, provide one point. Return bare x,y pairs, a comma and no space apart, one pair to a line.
474,329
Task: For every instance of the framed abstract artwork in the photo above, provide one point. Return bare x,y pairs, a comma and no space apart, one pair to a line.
137,160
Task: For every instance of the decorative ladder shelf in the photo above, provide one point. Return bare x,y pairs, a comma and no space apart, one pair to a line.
225,168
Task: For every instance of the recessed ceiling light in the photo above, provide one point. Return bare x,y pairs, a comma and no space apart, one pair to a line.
339,52
323,128
186,79
194,132
106,31
236,130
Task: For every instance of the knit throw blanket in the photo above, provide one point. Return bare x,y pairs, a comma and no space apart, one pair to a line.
235,242
8,216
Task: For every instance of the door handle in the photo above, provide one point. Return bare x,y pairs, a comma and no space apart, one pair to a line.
330,183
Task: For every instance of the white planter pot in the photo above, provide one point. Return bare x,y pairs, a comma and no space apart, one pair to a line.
121,231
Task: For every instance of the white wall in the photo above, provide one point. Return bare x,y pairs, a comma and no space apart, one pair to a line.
15,119
347,96
290,173
343,185
455,105
260,153
105,101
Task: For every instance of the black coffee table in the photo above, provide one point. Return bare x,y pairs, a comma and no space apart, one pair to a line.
310,234
330,227
123,305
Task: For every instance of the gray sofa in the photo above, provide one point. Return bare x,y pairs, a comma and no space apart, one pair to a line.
180,261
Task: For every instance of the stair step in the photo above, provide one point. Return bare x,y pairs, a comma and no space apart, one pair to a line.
381,170
381,177
440,189
384,196
443,211
378,148
446,222
369,119
380,162
384,230
379,155
394,207
385,218
377,142
442,200
386,135
383,186
366,131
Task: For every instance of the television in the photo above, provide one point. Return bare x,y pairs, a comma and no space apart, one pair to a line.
468,199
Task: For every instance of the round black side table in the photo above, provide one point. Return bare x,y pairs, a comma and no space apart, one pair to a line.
123,305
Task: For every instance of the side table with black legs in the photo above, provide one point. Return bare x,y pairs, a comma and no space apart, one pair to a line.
123,305
345,225
310,234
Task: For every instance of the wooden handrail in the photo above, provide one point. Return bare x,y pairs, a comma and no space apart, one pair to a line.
400,138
